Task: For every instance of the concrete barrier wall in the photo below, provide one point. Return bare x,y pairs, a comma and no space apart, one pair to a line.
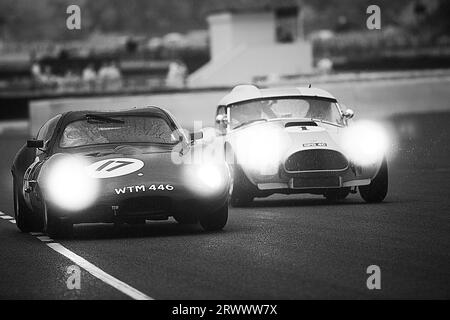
369,99
375,99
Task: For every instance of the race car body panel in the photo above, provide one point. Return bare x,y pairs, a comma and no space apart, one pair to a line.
154,189
117,180
317,138
289,140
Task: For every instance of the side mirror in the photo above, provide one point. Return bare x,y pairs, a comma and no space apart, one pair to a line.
222,119
205,135
196,136
33,143
348,114
209,134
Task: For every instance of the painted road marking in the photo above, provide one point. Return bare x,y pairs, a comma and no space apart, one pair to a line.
98,273
37,234
86,265
45,239
4,216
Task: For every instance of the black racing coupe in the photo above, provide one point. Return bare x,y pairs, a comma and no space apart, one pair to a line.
117,167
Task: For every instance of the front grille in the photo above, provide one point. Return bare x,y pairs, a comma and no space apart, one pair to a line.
145,205
316,160
316,182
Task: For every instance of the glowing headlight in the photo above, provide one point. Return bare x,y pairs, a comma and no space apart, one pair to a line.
205,179
68,184
210,176
365,142
261,148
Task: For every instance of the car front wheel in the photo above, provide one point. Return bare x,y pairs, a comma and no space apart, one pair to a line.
56,227
213,221
185,218
376,191
25,219
241,194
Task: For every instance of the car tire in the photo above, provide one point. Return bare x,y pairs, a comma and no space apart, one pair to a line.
336,195
58,229
25,220
214,221
55,227
185,218
241,194
377,190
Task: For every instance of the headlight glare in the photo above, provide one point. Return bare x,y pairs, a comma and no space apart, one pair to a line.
261,148
210,176
68,185
206,178
365,142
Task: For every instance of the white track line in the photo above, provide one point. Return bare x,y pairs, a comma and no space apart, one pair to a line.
98,273
37,234
86,265
45,239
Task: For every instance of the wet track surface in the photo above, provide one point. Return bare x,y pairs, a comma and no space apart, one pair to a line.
281,247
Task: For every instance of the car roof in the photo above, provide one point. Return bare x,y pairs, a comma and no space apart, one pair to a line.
249,92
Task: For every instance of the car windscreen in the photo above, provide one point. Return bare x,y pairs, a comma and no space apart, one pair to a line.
282,108
117,130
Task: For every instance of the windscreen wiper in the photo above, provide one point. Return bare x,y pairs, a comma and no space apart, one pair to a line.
99,154
248,122
103,119
324,121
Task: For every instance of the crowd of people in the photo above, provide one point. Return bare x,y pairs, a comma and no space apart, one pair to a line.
107,77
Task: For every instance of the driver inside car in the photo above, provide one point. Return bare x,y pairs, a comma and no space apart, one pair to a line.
319,110
252,111
248,112
75,135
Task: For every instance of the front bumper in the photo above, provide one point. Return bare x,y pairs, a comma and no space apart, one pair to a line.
291,185
312,181
155,204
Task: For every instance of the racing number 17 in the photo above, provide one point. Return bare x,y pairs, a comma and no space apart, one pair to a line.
112,167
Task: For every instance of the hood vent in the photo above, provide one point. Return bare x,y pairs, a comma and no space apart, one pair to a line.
300,124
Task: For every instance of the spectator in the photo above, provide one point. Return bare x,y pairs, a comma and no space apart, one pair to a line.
36,70
110,77
89,77
176,76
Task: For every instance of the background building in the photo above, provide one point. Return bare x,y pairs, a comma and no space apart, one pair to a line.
253,40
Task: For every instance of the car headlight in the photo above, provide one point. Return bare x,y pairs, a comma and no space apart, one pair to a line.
261,148
365,142
210,176
206,178
68,184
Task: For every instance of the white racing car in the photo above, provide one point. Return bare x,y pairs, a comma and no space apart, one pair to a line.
298,140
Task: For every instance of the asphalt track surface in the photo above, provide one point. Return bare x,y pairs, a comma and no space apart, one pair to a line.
282,247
